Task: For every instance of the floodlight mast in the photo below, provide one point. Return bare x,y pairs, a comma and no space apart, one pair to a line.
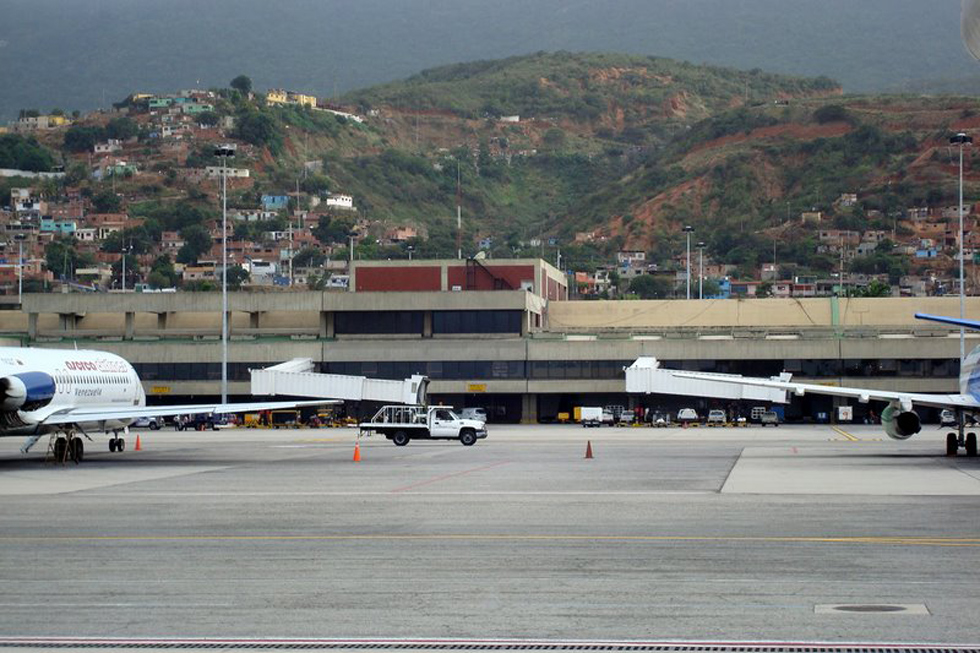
224,152
962,139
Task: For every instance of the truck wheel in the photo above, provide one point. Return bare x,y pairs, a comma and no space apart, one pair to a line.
400,438
468,437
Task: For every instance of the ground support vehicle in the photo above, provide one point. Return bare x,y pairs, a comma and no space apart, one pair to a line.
401,424
590,416
769,417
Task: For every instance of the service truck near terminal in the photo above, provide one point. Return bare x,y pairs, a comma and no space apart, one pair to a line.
401,424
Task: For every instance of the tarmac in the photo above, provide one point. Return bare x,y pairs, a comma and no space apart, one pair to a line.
790,534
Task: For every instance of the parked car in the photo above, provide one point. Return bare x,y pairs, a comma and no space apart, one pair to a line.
687,415
717,418
152,423
479,414
947,418
769,417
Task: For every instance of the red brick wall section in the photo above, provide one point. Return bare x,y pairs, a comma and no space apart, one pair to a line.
401,278
514,274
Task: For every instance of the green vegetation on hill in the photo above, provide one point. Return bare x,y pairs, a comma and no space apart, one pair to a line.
583,87
20,153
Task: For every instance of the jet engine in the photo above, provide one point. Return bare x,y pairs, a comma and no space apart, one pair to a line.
899,424
26,391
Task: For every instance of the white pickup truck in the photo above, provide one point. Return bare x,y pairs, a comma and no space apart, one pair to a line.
401,424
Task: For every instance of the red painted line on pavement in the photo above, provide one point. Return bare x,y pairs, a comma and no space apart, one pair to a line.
447,476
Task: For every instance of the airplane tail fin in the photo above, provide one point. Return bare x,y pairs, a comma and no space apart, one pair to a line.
968,324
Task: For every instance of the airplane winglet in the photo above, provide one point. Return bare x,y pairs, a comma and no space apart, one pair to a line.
969,324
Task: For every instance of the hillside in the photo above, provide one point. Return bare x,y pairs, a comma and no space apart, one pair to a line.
329,47
606,152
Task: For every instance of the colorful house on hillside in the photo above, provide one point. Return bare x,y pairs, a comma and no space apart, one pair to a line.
275,202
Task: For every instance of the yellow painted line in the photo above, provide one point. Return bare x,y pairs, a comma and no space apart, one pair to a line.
846,434
878,540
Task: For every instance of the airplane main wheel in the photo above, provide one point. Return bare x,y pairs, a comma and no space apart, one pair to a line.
971,445
112,445
120,445
76,450
952,444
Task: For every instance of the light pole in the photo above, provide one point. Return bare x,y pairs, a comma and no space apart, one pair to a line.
410,250
124,250
224,152
688,229
961,139
700,269
20,268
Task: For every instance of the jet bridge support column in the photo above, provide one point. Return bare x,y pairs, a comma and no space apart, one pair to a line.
32,326
254,317
130,329
162,319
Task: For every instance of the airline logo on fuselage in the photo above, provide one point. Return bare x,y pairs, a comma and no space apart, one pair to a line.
97,366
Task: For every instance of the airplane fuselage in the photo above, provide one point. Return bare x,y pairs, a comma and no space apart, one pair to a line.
35,383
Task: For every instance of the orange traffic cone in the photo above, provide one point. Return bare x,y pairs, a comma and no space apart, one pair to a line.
357,452
138,446
588,450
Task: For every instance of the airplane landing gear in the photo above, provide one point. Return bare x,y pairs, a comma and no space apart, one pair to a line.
117,444
956,440
65,447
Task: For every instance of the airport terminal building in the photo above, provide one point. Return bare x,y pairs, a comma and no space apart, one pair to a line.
501,334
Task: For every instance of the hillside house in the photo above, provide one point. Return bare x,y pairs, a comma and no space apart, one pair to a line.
401,234
631,257
275,202
340,202
214,172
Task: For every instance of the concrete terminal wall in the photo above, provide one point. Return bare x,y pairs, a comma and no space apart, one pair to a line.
761,313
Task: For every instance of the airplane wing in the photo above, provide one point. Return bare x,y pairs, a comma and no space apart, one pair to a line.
101,413
969,324
905,399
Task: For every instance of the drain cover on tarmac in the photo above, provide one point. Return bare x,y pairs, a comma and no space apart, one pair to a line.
872,608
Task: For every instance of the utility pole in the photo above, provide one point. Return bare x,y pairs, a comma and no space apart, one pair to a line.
459,214
700,269
688,229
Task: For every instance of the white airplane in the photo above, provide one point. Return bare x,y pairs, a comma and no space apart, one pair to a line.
69,392
899,418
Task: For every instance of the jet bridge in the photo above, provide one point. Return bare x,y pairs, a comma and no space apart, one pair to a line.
296,378
645,376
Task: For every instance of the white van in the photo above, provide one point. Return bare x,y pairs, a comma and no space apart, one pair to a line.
591,416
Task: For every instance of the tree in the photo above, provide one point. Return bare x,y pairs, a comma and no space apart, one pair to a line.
875,289
648,286
207,118
554,138
710,288
122,128
197,241
242,84
61,257
236,277
258,128
83,139
106,202
309,257
328,230
24,154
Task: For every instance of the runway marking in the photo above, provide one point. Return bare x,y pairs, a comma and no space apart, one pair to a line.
444,477
430,493
503,537
847,435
